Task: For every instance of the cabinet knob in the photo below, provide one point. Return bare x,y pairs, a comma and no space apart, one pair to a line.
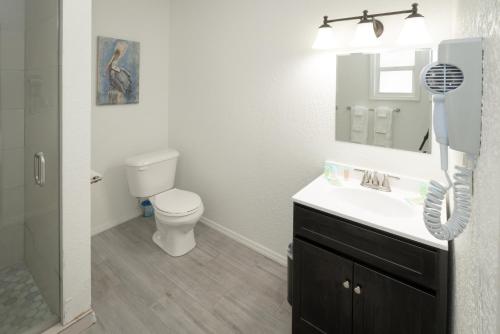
357,290
346,284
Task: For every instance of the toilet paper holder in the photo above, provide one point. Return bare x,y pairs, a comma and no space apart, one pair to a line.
95,177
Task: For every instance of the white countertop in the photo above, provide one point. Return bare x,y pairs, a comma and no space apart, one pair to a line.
405,222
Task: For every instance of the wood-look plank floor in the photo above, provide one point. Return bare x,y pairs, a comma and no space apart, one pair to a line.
219,287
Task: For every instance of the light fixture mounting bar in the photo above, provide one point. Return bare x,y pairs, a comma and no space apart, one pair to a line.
413,10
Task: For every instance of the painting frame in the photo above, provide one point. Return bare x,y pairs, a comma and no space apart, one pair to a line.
118,71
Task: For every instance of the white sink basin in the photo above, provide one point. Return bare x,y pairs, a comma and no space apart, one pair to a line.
397,212
373,201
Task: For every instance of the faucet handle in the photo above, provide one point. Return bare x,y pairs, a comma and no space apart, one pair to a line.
367,178
386,186
375,182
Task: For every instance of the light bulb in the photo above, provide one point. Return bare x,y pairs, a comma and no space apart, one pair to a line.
325,39
365,35
414,32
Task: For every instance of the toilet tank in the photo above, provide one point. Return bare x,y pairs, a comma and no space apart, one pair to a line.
151,173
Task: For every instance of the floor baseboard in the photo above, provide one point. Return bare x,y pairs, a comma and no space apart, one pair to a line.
109,225
102,228
76,326
245,241
226,231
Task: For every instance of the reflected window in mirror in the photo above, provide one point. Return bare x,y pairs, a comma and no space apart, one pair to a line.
395,74
379,100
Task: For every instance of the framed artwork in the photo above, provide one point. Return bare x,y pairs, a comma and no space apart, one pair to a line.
117,71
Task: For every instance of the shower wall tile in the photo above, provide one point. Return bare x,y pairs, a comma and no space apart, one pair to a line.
42,45
12,50
12,89
43,240
12,128
38,11
11,238
46,275
12,168
12,17
12,206
42,91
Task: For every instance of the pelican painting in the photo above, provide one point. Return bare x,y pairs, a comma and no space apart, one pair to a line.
118,71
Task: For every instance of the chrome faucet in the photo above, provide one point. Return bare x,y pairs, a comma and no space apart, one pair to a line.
372,180
386,185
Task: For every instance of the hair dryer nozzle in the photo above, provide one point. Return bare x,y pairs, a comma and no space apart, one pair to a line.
441,78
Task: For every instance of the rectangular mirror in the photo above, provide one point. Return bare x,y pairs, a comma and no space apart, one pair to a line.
380,101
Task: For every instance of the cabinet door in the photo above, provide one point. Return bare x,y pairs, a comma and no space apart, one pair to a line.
383,305
322,291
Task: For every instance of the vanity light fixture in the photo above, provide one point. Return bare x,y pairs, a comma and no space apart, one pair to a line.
369,29
414,30
367,32
326,37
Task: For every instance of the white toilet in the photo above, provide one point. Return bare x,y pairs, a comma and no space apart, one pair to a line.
152,176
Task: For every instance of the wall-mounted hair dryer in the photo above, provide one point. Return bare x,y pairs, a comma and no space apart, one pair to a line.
455,81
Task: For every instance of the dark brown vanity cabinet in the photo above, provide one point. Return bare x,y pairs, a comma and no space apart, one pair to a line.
351,279
325,294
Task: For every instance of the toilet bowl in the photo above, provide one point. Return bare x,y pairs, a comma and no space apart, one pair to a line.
177,211
176,214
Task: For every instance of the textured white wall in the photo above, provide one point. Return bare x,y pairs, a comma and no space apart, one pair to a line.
477,251
75,157
251,106
125,130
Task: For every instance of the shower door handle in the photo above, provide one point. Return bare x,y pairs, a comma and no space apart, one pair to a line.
39,168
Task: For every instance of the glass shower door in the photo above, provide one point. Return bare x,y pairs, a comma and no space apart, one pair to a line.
29,163
41,244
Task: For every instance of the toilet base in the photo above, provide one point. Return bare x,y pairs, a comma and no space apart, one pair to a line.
175,242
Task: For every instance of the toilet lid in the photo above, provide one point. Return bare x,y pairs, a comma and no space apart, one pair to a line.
177,202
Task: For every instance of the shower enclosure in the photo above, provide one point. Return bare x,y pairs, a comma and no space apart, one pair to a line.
29,166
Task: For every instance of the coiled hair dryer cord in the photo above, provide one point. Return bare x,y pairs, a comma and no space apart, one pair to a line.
462,194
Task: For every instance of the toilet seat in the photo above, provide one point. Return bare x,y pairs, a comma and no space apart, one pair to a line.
176,202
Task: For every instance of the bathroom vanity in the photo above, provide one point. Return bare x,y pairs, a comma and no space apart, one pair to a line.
364,271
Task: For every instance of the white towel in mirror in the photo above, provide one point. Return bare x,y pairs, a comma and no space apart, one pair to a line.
382,126
359,124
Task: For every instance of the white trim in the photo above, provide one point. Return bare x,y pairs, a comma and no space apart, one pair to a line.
270,254
104,227
107,226
78,325
224,230
75,154
375,70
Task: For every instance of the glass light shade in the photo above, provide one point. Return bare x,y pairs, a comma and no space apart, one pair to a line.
414,32
365,36
325,39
